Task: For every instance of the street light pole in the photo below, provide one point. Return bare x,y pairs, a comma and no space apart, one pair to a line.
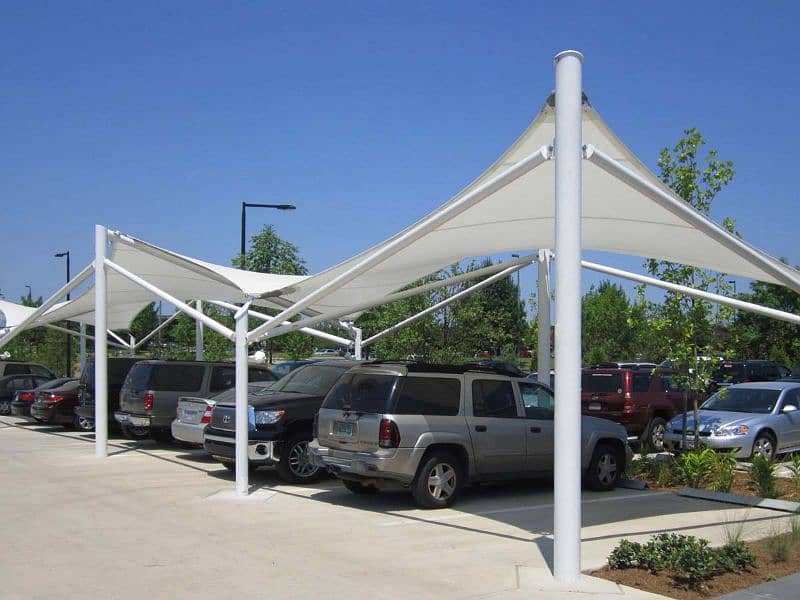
29,294
245,206
69,337
519,299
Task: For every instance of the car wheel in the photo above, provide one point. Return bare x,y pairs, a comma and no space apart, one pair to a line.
765,446
605,468
135,432
84,424
295,465
654,435
5,408
359,488
438,481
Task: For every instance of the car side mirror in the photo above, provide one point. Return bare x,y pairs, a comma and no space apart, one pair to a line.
789,408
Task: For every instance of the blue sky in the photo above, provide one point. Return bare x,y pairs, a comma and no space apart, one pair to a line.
160,119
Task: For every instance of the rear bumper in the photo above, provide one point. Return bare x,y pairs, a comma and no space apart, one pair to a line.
21,409
50,414
224,449
134,420
187,432
399,465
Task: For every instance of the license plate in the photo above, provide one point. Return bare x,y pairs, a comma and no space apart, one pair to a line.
342,429
122,418
189,415
595,406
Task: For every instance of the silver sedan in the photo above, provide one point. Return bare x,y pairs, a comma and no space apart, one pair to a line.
748,418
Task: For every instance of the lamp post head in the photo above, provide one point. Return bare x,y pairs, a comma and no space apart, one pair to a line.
61,254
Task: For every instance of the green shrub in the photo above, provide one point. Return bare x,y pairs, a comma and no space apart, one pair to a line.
779,547
762,474
795,468
691,560
696,468
724,470
666,473
795,529
639,468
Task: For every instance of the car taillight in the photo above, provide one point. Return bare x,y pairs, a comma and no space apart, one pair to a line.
53,399
207,415
148,401
628,406
389,434
26,396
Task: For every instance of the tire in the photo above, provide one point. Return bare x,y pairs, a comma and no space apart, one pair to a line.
605,468
84,424
653,439
439,481
765,445
359,488
135,433
5,408
295,465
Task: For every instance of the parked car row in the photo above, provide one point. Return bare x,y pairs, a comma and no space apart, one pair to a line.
430,429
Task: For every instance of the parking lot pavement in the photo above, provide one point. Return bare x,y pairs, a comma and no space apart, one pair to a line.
153,521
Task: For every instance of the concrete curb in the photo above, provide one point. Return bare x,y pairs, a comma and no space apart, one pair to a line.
769,503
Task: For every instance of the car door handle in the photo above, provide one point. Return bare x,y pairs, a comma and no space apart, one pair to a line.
480,427
536,430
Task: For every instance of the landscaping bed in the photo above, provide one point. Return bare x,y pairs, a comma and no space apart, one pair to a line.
767,568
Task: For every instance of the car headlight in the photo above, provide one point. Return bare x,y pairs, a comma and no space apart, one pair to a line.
731,430
268,417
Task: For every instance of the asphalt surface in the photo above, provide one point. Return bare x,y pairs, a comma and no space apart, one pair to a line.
154,521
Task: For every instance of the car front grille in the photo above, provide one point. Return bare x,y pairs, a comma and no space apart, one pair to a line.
224,417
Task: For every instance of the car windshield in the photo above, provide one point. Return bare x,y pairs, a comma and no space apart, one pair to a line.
315,380
746,400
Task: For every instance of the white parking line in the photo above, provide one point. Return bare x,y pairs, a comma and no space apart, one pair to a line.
416,519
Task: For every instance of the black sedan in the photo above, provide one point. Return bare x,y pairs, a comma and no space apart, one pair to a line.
24,399
56,405
281,421
11,383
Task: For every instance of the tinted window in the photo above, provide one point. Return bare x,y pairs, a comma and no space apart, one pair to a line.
770,372
360,392
139,377
669,384
492,398
537,400
730,373
222,378
792,398
176,378
261,375
603,383
316,380
17,369
641,381
428,396
40,370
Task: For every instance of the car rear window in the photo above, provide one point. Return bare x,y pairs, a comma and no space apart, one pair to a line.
730,373
17,369
428,396
602,383
641,382
166,378
361,392
118,370
313,379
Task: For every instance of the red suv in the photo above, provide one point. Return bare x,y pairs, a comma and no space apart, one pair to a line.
641,399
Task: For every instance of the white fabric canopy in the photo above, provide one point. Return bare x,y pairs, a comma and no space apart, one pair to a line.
518,217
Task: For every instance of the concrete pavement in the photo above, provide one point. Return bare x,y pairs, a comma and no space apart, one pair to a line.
161,521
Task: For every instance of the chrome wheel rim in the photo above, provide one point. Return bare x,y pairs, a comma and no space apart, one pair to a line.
607,469
763,446
442,481
300,461
85,424
657,436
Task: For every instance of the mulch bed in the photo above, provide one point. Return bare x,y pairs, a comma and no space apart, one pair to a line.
663,583
743,486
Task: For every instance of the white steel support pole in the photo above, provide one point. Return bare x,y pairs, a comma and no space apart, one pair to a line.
242,424
359,335
543,347
100,344
199,342
82,347
567,434
132,346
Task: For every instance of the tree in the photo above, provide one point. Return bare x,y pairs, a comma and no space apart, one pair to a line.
145,322
269,253
757,336
607,331
683,324
297,345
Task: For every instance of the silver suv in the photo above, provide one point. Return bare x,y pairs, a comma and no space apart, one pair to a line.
433,428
